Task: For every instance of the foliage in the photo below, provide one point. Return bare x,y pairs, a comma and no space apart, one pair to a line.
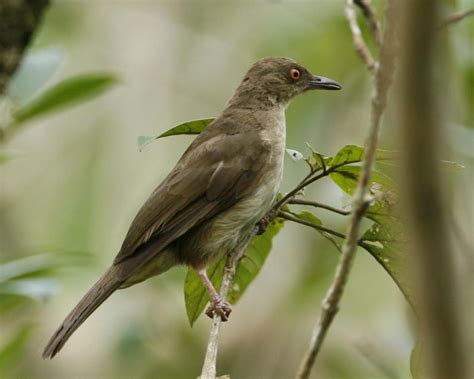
13,349
53,178
384,240
65,93
188,127
36,68
32,277
28,279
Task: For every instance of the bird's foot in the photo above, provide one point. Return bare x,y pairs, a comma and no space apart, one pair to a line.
262,225
220,306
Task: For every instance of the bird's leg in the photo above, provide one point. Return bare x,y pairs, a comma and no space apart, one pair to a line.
217,303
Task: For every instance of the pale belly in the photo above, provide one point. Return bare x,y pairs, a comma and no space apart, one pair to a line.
221,235
217,237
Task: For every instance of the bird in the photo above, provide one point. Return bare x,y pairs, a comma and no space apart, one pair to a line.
221,187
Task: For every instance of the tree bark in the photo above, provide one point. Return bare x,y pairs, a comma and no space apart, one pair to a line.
18,21
440,321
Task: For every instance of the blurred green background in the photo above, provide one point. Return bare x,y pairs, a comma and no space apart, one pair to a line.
77,179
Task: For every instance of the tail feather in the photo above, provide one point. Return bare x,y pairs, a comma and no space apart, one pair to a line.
104,287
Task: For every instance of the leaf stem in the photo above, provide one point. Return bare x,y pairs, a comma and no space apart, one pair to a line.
362,243
307,181
319,205
321,228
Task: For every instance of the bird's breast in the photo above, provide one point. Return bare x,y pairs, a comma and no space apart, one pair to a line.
232,223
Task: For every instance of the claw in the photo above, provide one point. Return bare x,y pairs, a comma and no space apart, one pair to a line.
220,306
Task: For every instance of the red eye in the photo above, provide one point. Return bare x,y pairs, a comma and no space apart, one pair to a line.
295,74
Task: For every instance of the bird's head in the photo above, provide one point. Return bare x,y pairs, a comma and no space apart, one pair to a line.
274,81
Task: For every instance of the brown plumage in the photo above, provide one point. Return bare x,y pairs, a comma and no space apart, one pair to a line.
221,187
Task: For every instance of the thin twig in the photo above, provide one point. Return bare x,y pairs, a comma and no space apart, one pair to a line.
319,205
361,242
307,181
321,228
209,367
455,18
383,76
369,13
357,39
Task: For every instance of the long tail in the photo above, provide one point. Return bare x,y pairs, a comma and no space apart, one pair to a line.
104,287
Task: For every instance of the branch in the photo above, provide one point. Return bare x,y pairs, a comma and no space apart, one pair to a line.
319,205
455,18
209,367
359,43
383,78
369,12
304,183
321,228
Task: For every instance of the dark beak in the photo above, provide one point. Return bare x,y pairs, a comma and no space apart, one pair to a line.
320,82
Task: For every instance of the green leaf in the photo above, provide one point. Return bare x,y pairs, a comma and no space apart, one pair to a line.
253,260
12,352
36,289
36,68
31,277
353,154
387,243
308,216
195,294
27,267
65,93
346,178
385,240
317,161
312,219
188,127
348,154
41,264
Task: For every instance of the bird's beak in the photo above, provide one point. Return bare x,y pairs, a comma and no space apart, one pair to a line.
320,82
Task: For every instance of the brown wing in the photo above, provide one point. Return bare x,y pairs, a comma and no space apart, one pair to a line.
214,173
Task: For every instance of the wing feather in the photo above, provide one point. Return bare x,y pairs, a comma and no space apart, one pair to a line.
212,175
